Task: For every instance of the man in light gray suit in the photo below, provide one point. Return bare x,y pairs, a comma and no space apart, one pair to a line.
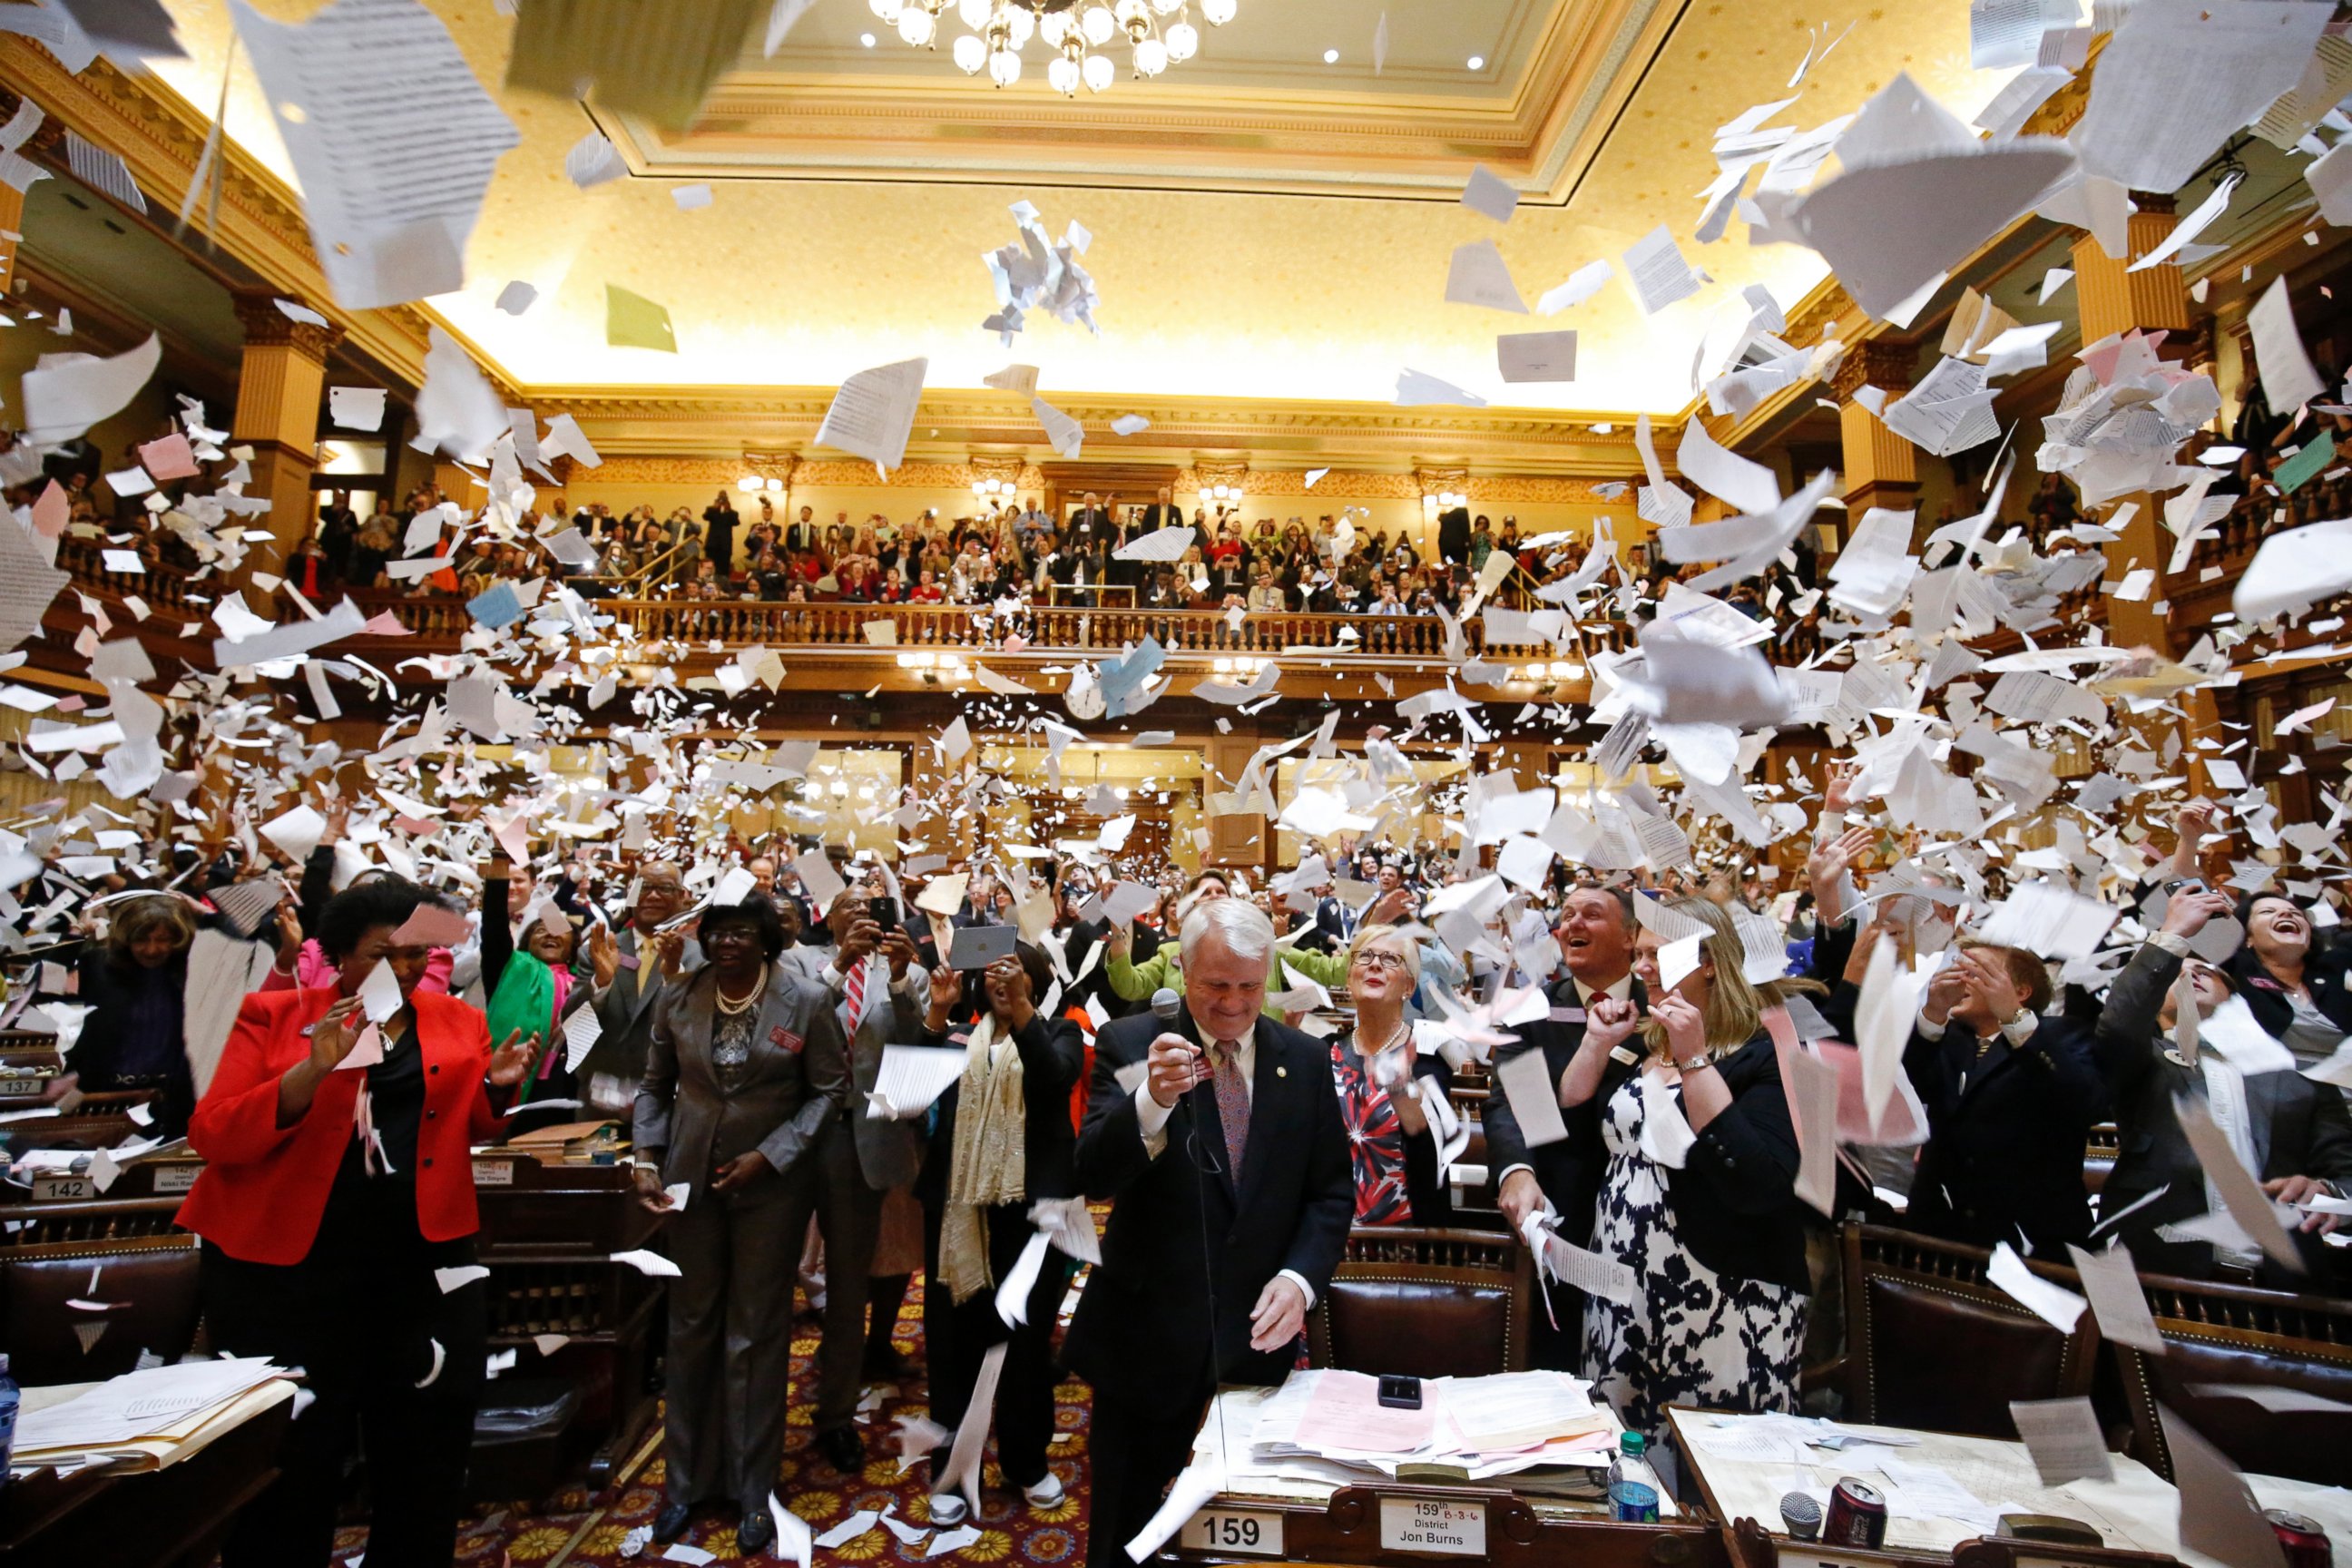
651,959
879,993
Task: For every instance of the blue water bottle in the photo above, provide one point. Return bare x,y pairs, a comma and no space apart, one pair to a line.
1632,1484
9,1398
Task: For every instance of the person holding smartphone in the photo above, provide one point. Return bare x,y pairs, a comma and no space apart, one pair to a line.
870,973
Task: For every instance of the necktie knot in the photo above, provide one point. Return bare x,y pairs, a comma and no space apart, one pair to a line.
1226,1052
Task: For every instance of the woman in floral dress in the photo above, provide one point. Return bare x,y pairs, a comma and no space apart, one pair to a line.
1699,1198
1390,1137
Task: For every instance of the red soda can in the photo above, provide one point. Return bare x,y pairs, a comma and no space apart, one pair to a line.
2306,1543
1857,1516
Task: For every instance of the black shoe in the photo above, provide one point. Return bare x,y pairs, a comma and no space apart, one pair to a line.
884,1365
844,1450
670,1522
757,1532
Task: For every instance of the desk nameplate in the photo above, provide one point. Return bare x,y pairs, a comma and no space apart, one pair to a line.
1233,1532
63,1189
494,1172
1427,1525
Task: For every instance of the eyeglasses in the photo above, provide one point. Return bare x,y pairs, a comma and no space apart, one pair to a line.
1379,960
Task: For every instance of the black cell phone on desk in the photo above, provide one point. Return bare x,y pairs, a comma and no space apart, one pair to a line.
884,912
1400,1393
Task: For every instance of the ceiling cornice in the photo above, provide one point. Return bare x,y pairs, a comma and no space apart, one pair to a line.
726,421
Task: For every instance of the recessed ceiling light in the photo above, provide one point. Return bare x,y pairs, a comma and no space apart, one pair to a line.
866,39
1477,62
1330,57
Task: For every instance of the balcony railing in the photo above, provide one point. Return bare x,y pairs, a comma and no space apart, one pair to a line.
735,623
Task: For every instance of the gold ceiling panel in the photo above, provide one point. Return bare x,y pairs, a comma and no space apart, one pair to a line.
1288,134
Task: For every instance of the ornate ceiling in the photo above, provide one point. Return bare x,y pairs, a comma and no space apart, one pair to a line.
1267,228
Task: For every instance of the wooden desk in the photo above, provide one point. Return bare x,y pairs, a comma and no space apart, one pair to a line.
549,1229
173,1518
1263,1518
2136,1513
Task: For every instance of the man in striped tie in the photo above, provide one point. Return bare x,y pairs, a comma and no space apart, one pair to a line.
879,993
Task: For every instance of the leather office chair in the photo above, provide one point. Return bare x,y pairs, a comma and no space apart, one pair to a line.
1918,1311
2221,1336
146,1278
1425,1303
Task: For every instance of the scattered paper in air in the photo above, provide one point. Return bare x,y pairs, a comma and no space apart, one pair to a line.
1478,276
873,412
393,176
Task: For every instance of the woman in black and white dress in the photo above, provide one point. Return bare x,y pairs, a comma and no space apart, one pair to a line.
1699,1198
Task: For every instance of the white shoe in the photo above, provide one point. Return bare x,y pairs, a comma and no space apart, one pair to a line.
948,1510
1047,1493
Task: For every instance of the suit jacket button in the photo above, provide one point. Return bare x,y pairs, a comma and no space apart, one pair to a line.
428,1161
431,1114
435,1067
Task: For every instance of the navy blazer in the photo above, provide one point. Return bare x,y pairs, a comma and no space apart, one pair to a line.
1186,1253
2005,1136
1568,1171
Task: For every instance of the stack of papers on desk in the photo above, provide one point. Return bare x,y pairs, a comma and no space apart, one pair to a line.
144,1420
1329,1425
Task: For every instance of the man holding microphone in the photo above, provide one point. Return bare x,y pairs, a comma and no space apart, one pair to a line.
1217,1134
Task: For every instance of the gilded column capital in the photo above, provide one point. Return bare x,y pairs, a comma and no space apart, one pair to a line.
267,326
1874,363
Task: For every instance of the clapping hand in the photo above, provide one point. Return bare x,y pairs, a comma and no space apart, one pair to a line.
511,1062
604,954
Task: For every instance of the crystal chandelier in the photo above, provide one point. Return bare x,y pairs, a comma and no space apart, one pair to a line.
1159,33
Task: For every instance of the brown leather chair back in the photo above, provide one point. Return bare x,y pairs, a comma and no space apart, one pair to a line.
1917,1309
146,1279
2101,1149
1425,1303
2224,1336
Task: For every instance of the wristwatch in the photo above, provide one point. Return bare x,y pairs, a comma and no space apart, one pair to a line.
1695,1063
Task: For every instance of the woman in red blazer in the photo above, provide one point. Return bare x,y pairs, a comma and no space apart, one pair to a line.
337,1211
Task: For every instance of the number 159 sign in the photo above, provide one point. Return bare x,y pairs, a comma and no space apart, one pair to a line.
1232,1533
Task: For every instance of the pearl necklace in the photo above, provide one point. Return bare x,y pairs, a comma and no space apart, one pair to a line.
734,1008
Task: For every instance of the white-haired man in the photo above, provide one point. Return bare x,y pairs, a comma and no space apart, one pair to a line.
1218,1137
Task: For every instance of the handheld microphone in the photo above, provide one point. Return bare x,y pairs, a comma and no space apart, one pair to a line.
1167,1005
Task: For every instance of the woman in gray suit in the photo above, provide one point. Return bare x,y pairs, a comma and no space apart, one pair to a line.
746,1065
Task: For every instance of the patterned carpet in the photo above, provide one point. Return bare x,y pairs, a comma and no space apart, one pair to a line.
579,1529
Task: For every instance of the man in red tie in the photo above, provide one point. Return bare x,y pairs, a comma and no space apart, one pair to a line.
1218,1136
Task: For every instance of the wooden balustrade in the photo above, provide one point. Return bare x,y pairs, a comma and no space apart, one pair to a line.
162,588
737,623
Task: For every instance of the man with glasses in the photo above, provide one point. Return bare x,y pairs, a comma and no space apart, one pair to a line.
650,958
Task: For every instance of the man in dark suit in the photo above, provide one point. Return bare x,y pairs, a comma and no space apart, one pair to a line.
2293,1133
1596,941
2011,1096
650,958
876,985
1219,1139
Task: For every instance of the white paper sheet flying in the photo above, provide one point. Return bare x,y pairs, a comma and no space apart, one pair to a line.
874,411
392,136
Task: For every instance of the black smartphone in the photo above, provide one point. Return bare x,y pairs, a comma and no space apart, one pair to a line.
2184,885
1400,1393
884,912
